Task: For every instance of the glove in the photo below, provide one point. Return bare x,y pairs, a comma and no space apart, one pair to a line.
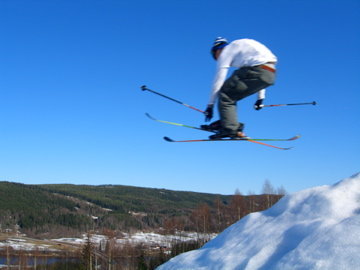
258,104
209,112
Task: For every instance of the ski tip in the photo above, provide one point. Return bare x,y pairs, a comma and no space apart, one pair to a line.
168,139
295,138
151,117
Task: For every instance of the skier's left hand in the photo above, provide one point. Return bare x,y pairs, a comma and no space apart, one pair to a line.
209,112
258,104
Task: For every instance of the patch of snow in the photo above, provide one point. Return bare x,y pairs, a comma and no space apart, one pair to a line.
146,238
162,240
21,244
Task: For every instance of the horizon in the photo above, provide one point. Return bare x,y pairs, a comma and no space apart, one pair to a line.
236,192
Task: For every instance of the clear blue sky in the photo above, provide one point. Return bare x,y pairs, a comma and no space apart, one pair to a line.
71,108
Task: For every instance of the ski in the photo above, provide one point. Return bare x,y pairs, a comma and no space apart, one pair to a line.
228,140
198,128
173,123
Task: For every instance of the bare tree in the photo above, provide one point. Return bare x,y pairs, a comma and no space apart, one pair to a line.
281,191
268,188
110,245
237,205
173,225
220,214
201,218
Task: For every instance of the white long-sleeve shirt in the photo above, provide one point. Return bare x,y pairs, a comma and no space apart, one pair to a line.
240,53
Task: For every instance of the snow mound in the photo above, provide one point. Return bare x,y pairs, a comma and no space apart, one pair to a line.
317,228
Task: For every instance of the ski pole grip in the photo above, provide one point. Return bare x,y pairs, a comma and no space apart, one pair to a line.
143,87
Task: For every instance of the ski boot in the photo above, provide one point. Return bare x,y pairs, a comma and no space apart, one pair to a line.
216,127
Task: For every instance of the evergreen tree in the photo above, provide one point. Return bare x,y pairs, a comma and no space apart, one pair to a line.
88,253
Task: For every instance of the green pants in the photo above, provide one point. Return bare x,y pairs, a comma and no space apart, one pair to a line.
241,84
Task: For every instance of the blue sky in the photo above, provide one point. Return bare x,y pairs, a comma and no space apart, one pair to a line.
71,108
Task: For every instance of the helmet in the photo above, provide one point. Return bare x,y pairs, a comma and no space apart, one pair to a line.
219,43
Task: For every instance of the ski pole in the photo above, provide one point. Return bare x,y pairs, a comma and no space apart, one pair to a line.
290,104
177,101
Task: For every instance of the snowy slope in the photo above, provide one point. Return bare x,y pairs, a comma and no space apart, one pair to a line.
317,228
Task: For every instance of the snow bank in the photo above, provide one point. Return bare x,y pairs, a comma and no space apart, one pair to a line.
317,228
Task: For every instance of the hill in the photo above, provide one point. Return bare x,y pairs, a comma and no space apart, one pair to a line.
312,229
32,208
65,209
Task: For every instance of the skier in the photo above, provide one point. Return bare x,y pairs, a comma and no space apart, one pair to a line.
256,70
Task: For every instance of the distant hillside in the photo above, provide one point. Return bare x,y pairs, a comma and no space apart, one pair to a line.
126,198
65,209
135,207
31,207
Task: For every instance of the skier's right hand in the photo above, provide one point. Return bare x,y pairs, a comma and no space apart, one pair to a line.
209,112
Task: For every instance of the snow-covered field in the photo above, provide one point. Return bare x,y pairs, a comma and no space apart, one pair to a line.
19,243
146,238
317,228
